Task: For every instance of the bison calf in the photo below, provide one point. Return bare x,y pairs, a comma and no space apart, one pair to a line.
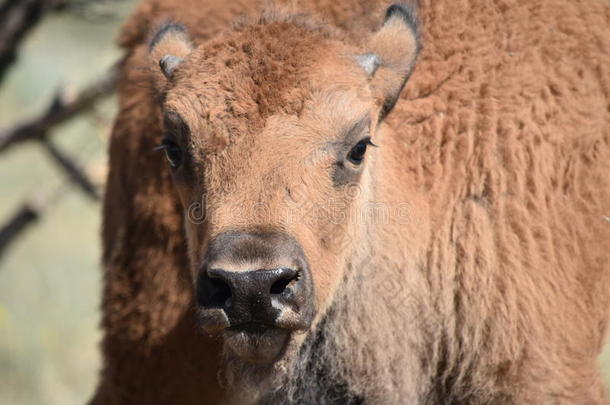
284,223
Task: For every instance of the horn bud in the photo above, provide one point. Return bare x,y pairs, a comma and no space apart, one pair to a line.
168,64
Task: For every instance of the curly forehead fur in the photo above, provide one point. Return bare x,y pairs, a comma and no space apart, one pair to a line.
494,287
259,68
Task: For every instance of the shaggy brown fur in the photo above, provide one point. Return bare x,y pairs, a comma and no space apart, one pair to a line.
492,287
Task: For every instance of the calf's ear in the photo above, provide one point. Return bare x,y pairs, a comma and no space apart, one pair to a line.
167,49
391,55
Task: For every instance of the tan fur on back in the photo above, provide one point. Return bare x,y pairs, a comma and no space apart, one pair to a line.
499,293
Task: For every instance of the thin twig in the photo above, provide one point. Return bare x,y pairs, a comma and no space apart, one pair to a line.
72,170
30,211
25,216
61,109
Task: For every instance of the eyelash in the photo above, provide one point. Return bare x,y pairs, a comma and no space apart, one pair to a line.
173,152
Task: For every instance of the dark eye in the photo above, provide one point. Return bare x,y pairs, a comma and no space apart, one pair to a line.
356,155
173,152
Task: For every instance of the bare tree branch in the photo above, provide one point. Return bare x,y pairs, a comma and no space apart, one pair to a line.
32,209
61,109
25,216
72,170
17,17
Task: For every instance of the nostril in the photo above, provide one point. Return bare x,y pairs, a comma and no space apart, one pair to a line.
280,286
219,293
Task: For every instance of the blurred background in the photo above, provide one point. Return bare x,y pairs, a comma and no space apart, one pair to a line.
56,111
50,273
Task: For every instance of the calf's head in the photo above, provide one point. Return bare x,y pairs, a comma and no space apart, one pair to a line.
269,133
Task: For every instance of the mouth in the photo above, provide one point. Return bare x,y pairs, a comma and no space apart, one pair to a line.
249,327
256,342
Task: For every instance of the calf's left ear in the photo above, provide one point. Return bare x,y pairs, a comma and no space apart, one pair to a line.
391,56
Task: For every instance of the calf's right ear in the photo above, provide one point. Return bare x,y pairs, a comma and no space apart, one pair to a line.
168,48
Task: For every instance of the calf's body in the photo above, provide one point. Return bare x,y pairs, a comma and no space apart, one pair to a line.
483,274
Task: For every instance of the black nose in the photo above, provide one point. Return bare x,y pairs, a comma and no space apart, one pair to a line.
257,280
243,292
